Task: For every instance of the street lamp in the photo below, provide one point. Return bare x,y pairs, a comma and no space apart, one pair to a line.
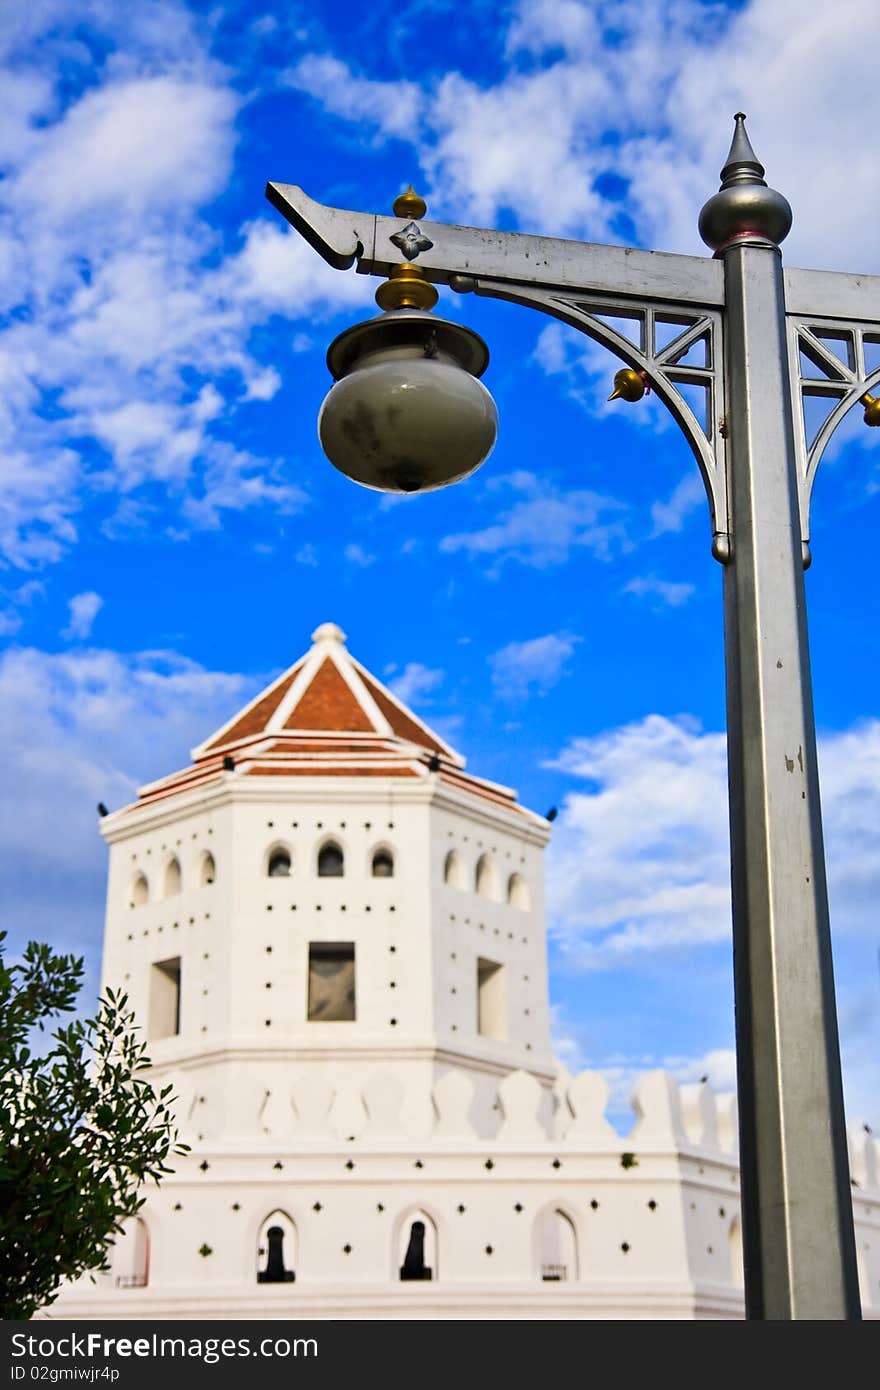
756,340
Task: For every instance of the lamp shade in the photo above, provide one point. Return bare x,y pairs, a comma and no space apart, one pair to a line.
407,412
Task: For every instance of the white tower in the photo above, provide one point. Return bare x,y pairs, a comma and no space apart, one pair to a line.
326,891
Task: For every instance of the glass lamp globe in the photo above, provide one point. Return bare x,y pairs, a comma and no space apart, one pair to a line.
407,412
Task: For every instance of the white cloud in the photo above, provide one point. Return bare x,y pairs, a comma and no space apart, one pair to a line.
544,525
687,496
613,109
639,870
415,682
129,348
393,108
84,609
536,665
78,728
667,593
355,554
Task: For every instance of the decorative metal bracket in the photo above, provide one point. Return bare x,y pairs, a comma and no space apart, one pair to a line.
828,360
670,347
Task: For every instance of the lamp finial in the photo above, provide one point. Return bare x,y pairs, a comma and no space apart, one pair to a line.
744,210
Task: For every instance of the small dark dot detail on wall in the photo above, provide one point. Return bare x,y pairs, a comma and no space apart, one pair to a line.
721,1212
556,1163
236,1206
489,1164
178,1206
268,1023
269,950
518,1206
392,949
461,1208
489,1250
418,1163
393,1022
349,1165
594,1204
317,1207
380,1206
625,1247
346,1249
204,1165
278,1164
652,1205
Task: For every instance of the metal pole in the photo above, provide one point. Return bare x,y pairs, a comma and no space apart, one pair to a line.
798,1235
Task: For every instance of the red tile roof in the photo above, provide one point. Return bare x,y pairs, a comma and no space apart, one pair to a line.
325,717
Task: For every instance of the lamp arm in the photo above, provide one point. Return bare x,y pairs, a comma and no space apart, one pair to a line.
344,237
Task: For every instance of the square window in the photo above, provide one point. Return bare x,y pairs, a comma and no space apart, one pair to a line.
331,982
165,998
491,1000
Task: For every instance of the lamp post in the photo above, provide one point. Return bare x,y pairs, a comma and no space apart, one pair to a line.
757,340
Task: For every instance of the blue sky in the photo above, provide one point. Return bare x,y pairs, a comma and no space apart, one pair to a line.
171,533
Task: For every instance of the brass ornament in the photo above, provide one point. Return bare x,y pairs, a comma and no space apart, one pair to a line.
409,205
872,408
628,385
406,288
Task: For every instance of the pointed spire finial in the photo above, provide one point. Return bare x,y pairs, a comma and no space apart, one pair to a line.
742,164
745,209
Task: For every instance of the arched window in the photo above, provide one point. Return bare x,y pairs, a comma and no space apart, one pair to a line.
518,892
278,864
331,861
417,1253
383,864
131,1255
276,1250
140,890
172,877
487,878
454,872
556,1247
207,869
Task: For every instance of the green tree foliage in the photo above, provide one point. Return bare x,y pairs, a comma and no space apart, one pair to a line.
81,1129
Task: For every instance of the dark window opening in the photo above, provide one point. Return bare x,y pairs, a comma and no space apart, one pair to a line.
414,1266
331,982
279,864
275,1272
383,864
331,863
